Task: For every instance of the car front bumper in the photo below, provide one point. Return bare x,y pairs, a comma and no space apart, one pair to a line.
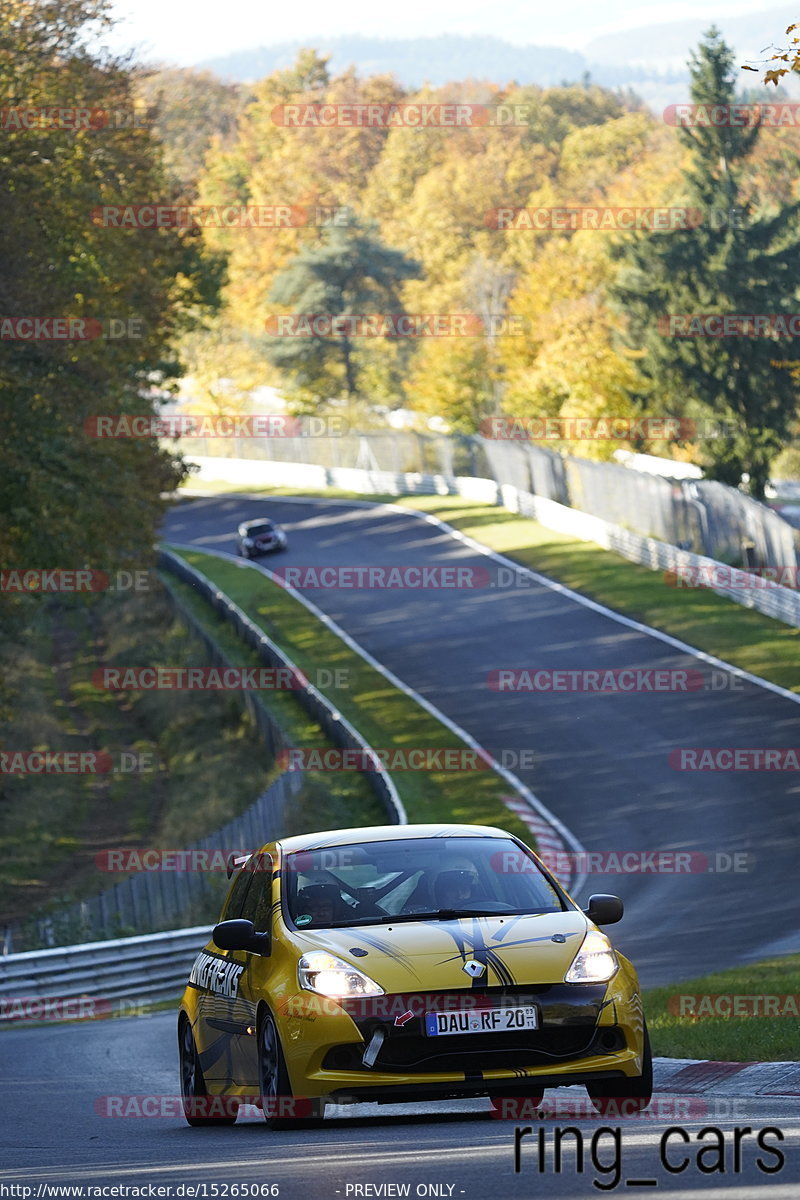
586,1033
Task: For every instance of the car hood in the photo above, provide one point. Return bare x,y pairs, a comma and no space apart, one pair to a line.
433,953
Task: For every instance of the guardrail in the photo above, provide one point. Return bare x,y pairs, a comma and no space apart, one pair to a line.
702,515
136,970
320,709
744,588
153,900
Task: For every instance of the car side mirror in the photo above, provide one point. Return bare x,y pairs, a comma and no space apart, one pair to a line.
240,935
604,910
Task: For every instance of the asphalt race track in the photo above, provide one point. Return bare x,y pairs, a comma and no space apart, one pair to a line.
600,761
56,1083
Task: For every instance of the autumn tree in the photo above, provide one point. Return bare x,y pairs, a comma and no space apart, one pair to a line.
189,112
786,59
743,265
349,272
70,499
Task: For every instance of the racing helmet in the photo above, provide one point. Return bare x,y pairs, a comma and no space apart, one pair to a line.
455,874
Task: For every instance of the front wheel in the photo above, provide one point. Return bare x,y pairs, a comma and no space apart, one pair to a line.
198,1106
282,1110
624,1097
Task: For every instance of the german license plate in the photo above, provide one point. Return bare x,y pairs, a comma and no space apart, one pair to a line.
482,1020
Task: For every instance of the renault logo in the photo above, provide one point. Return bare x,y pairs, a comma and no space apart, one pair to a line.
473,968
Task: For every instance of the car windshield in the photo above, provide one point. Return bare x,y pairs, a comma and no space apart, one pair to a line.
435,878
259,530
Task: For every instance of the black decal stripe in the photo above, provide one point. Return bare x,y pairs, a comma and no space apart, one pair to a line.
479,953
500,968
454,931
387,948
489,957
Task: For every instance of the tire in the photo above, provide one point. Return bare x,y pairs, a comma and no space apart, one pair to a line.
615,1097
193,1084
280,1107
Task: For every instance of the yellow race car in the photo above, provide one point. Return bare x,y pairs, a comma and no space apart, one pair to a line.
406,963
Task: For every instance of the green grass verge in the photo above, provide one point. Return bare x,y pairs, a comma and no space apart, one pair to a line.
194,760
326,801
757,1038
385,716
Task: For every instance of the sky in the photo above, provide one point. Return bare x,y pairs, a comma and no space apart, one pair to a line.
166,31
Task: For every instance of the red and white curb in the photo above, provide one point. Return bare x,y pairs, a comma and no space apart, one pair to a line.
552,848
697,1077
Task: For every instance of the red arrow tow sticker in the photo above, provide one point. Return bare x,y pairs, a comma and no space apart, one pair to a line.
406,1017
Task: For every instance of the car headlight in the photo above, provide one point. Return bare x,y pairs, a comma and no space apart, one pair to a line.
328,975
595,962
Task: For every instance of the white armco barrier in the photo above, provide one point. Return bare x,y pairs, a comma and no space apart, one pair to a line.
690,570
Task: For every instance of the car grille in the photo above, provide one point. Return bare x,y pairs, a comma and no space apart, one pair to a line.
472,1053
569,1030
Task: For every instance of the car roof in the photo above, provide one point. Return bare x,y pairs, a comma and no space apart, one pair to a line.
257,521
385,833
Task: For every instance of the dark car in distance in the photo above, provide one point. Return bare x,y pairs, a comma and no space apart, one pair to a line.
259,537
